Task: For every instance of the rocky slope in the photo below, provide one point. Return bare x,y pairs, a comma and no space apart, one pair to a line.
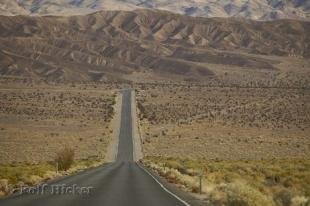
110,44
254,9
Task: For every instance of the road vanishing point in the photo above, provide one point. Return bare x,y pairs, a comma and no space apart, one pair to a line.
121,183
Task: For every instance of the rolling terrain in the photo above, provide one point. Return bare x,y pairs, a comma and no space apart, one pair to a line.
223,101
128,45
248,145
123,182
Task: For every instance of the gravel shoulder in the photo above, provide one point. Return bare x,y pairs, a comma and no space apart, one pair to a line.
115,125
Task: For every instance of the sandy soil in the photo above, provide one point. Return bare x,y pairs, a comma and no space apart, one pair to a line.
37,122
224,123
115,125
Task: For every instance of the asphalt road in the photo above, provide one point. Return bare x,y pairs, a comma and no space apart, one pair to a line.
122,183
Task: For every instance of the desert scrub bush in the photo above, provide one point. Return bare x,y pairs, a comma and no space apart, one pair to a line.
4,186
300,201
249,182
239,194
15,175
64,159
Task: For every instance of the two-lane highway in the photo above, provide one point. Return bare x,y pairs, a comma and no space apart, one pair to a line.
122,183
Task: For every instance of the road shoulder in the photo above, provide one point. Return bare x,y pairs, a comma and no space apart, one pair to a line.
115,125
184,196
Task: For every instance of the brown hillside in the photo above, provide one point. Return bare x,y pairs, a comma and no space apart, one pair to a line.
115,43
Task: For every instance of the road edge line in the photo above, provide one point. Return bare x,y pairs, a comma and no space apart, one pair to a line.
163,187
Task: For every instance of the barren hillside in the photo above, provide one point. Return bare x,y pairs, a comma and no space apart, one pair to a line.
112,44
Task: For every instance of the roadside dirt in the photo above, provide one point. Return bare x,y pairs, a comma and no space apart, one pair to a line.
115,124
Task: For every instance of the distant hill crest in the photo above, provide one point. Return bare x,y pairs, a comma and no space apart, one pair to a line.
253,9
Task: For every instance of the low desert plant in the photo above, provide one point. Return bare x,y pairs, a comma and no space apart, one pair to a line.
239,193
257,182
4,185
64,159
300,201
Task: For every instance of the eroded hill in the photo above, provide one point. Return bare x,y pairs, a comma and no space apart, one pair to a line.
115,44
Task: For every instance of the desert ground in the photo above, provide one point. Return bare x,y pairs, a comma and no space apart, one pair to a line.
248,140
224,100
38,120
225,123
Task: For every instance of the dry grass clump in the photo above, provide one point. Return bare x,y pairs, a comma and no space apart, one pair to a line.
266,182
4,187
64,159
239,193
15,173
13,176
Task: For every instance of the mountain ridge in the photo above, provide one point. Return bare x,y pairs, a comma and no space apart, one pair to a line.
256,10
115,44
